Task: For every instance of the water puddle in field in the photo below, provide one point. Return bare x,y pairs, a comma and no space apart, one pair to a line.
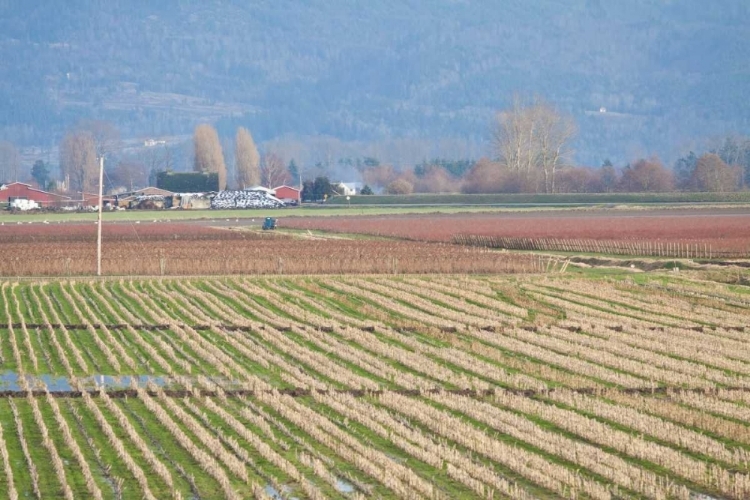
701,496
122,381
279,495
9,381
344,486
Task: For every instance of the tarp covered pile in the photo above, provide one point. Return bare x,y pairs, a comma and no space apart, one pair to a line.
245,199
151,202
149,197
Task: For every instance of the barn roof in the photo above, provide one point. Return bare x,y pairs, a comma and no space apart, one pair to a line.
29,187
287,187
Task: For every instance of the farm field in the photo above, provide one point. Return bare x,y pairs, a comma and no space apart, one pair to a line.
415,205
391,244
410,386
314,210
726,232
192,249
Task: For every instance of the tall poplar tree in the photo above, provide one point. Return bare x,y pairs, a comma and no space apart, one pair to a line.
247,159
209,157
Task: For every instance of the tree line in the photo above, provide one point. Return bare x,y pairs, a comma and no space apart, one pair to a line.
709,172
81,148
531,153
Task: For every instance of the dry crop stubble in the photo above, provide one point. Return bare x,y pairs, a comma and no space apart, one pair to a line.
433,391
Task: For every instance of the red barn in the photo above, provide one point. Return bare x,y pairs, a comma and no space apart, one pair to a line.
14,190
287,194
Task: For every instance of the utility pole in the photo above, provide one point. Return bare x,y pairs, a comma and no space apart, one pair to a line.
99,220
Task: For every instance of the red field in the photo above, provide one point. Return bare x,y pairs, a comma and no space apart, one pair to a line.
195,248
728,232
192,249
148,231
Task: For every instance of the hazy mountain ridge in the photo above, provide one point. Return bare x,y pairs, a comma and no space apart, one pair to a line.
671,72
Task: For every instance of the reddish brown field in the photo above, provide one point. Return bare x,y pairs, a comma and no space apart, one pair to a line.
149,231
423,243
192,249
728,232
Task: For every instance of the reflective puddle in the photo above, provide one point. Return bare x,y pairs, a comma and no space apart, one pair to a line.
344,486
10,381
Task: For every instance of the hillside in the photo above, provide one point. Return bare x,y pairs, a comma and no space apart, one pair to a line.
428,74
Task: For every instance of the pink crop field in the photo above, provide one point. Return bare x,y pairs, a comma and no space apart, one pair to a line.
727,233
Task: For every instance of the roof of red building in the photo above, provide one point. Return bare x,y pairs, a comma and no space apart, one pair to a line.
287,187
30,188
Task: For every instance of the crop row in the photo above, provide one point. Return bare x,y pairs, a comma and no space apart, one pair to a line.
679,249
395,387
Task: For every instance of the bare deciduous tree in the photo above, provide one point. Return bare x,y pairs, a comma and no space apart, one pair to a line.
129,174
712,174
510,137
9,162
208,154
435,179
646,176
78,161
533,142
105,135
273,171
247,159
484,177
579,180
399,186
379,176
156,159
555,132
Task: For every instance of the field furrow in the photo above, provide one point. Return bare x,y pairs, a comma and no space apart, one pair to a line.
550,386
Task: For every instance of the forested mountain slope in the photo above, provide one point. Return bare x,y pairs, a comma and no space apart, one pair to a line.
668,72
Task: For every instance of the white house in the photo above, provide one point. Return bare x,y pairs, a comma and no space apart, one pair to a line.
348,188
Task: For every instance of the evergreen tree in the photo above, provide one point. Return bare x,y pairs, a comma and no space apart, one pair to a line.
40,173
293,170
683,170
